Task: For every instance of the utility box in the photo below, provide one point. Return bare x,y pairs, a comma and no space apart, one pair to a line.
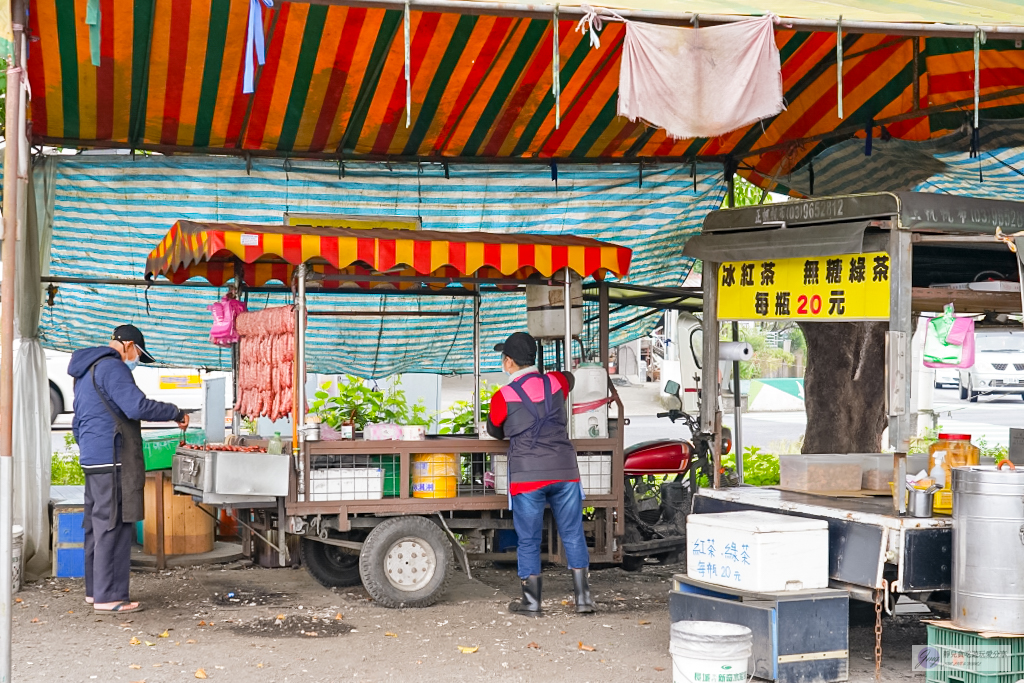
757,551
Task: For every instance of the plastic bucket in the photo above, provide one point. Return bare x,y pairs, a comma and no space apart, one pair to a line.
710,651
435,475
17,544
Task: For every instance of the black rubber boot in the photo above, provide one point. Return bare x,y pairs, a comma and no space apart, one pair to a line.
529,606
581,590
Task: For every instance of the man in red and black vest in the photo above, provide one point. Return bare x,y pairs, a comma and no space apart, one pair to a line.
530,412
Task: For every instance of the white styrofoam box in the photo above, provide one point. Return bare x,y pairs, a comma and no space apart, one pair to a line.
595,474
757,551
349,483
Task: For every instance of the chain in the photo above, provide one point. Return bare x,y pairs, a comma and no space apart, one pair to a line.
878,635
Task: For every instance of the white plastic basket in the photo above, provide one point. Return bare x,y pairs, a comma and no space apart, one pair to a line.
595,474
348,483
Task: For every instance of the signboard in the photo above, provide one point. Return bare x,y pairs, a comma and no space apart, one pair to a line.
173,382
842,287
333,220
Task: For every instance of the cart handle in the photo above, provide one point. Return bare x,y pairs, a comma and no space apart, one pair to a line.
999,465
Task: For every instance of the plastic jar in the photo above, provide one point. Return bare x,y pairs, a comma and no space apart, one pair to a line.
957,449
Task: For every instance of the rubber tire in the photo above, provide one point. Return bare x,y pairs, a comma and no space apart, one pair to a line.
382,538
631,563
963,391
56,404
972,395
329,564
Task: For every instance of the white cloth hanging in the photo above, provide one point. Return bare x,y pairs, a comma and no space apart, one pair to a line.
701,83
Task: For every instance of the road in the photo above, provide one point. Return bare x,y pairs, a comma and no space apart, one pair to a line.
990,418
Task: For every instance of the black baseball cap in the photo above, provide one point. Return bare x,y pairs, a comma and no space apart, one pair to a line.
130,333
520,347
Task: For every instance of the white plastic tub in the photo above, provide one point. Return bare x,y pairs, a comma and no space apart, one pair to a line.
710,651
349,483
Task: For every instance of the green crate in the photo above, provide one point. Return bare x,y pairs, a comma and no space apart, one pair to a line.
158,447
392,473
969,658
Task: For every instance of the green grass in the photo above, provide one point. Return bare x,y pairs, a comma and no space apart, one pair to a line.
64,467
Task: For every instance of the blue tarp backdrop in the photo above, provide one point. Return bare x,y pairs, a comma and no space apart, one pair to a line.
110,211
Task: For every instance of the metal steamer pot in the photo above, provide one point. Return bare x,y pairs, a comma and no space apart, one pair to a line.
988,548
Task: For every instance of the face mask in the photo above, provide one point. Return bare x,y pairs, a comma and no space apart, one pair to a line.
132,364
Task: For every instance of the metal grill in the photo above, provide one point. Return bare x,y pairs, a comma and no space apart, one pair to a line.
999,366
1019,367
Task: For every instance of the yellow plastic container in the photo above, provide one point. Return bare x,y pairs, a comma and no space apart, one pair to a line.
435,475
954,450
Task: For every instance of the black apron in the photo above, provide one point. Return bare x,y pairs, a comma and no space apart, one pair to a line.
133,465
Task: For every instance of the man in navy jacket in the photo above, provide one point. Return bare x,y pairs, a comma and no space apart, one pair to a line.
109,408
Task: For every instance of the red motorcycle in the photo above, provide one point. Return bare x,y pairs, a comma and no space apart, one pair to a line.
658,493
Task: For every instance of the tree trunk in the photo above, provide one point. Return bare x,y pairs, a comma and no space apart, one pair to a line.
844,387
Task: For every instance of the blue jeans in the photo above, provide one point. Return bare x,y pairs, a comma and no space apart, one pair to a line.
566,504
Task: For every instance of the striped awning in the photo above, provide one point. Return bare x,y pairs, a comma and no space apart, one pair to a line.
270,252
333,86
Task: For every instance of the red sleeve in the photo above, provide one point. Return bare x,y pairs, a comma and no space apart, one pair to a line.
563,382
499,410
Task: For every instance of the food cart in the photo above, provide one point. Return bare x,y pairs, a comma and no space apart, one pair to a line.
891,250
385,512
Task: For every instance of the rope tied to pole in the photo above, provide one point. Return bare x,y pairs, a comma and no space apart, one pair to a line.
556,67
593,22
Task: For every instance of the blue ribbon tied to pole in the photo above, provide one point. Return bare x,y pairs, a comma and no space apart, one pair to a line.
92,20
254,46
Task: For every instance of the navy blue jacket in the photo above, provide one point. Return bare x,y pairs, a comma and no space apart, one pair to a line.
93,426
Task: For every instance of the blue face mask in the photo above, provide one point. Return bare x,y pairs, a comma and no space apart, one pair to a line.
132,364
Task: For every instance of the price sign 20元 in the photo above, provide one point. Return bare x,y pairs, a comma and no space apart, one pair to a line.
841,287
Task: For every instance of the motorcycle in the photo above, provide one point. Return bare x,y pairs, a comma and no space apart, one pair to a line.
661,477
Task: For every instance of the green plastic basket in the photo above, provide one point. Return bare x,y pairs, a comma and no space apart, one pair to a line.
158,447
969,658
392,473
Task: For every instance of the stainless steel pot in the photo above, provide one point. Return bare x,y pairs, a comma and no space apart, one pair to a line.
920,500
988,548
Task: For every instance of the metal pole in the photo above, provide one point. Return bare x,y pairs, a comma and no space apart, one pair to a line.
567,365
898,388
476,362
603,322
7,295
298,391
709,365
737,431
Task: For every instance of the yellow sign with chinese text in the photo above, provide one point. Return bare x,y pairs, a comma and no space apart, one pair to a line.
318,220
843,287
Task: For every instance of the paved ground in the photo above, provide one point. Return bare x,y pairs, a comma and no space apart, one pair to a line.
339,635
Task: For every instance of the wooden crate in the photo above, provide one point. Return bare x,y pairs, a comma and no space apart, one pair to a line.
188,530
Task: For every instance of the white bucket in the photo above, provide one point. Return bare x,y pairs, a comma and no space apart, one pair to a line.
17,543
710,651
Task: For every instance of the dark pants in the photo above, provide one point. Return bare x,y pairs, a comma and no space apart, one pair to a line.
108,554
566,504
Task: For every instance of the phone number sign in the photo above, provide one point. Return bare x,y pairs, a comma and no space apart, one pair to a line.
842,287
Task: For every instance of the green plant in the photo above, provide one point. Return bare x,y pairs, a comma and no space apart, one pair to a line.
461,419
921,443
366,405
759,468
992,451
249,424
64,467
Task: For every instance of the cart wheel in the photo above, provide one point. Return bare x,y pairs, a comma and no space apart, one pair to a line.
972,395
631,563
331,565
406,562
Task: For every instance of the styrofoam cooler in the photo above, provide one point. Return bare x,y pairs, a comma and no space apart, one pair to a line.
348,483
757,551
595,474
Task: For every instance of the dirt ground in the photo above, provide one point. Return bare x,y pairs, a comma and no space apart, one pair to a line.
245,624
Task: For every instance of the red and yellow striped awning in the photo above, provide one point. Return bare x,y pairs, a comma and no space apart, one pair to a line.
270,252
170,79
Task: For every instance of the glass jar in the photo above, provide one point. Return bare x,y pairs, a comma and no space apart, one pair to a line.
956,451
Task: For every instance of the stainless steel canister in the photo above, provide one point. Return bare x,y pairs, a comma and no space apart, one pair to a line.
988,548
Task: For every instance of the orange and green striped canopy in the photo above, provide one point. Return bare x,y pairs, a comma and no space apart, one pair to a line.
333,86
270,252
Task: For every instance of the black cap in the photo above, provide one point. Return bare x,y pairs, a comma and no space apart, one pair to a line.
130,333
520,347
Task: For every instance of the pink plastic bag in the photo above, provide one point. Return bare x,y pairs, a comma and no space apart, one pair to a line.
960,334
223,332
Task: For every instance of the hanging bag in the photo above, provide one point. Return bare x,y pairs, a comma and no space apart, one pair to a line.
949,341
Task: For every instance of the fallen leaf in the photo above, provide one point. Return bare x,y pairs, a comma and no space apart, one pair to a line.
71,611
150,644
565,602
200,673
389,634
466,650
587,648
259,665
535,646
142,681
190,642
643,623
134,641
35,621
281,617
134,666
202,623
338,617
659,668
157,666
562,632
18,600
67,590
165,634
126,624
